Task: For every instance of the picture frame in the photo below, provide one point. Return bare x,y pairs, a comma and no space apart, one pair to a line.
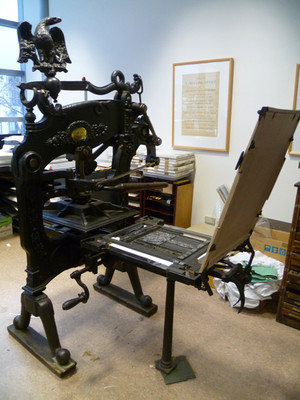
294,148
202,96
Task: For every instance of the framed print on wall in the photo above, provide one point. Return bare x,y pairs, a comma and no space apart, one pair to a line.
295,144
202,92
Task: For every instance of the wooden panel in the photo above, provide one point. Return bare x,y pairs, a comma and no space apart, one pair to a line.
289,318
293,298
289,303
172,204
183,206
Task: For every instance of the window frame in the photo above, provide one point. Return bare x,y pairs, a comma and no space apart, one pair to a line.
13,72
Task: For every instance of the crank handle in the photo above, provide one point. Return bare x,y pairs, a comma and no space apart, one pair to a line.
82,298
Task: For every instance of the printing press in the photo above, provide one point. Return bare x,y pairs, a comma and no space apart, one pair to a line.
76,217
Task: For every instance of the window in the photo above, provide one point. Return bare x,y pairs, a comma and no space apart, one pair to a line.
11,72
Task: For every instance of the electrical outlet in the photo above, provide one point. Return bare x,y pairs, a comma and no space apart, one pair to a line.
210,220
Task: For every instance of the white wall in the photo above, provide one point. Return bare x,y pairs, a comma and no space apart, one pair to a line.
147,37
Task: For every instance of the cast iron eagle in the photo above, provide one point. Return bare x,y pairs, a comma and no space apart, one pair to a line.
47,49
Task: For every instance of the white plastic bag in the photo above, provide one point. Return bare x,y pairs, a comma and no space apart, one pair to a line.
254,292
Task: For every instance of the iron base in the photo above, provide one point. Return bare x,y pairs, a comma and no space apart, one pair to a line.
179,370
38,346
125,298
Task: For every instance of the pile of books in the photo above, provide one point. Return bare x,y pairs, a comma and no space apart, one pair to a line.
173,165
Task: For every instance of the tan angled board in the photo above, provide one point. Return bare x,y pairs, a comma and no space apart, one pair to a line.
257,173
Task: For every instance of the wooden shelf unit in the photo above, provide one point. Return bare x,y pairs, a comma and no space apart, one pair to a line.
289,301
172,204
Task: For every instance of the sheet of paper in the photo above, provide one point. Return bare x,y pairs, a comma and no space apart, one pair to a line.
142,254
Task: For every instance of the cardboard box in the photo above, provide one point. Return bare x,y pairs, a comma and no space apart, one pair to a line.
271,237
5,225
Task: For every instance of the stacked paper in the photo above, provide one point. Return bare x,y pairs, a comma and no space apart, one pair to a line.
173,164
9,143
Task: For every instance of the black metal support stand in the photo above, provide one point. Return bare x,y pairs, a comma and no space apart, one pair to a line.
138,301
173,369
48,350
145,300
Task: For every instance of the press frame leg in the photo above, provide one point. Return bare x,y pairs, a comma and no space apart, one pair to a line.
105,280
137,302
132,272
46,349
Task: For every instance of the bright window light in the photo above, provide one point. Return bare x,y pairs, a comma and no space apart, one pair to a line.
9,48
9,9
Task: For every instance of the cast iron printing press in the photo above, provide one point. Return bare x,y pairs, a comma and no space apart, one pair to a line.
63,225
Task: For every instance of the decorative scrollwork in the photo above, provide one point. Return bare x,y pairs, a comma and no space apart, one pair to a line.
77,133
98,131
59,139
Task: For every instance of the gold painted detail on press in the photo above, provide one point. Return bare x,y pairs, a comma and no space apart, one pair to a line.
79,133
